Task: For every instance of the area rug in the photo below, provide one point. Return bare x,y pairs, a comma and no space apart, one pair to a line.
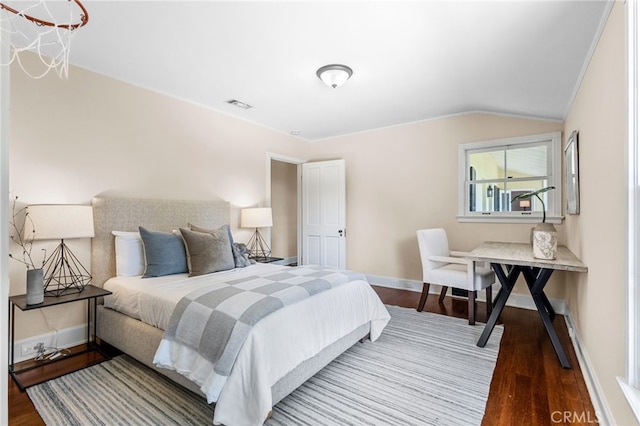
424,370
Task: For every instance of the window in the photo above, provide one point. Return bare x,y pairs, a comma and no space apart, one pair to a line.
493,173
630,384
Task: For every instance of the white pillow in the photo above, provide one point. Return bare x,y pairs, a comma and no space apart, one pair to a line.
129,254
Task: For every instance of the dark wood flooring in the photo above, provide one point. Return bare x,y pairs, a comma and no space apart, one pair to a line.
529,386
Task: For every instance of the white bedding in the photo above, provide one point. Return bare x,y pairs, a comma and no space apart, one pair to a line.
275,346
152,300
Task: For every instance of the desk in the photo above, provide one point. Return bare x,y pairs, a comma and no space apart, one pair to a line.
508,260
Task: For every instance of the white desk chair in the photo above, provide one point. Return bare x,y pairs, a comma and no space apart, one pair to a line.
450,269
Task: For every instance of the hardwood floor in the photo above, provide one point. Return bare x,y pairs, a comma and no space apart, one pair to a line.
529,386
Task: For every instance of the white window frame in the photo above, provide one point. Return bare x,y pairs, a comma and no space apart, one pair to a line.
630,384
554,197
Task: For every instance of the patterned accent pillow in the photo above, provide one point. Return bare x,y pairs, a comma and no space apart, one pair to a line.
239,258
164,253
207,252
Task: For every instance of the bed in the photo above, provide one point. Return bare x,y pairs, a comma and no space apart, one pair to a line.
281,351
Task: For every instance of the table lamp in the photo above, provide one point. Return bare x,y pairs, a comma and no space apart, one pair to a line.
257,217
63,272
525,204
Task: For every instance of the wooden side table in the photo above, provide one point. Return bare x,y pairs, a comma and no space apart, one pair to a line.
90,294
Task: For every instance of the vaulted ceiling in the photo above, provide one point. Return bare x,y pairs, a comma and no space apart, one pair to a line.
411,60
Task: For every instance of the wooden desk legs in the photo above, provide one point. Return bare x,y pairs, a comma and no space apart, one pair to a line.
536,280
507,283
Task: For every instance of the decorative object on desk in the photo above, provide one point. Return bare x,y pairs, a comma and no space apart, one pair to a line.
544,235
571,178
64,273
35,282
257,217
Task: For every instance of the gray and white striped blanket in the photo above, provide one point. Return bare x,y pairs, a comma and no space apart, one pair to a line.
215,322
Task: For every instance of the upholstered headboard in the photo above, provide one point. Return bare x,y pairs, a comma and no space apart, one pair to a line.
126,214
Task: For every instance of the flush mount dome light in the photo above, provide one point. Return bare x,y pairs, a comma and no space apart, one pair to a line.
334,75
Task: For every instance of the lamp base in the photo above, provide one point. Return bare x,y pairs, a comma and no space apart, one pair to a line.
64,274
258,247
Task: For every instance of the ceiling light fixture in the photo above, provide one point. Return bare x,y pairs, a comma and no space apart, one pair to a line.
334,75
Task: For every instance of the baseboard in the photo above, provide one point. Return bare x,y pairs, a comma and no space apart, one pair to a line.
603,413
64,338
515,300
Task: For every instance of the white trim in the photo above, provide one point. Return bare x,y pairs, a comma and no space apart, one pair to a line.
598,399
508,219
630,384
440,117
632,394
5,72
590,53
398,283
554,175
66,338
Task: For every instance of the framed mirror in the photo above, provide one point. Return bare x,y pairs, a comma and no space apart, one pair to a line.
571,175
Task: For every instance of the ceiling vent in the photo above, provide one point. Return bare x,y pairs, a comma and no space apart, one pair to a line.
239,104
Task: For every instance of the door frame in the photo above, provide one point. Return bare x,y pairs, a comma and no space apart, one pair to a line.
5,71
298,162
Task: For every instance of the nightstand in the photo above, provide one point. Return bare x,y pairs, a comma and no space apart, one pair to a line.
90,294
266,259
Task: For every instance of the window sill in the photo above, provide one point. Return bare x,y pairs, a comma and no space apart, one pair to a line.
633,396
495,218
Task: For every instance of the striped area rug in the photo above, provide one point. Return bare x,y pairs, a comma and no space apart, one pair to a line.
424,370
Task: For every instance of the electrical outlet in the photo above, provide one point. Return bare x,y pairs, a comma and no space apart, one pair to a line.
31,348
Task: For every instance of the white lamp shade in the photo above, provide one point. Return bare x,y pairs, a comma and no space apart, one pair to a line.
57,222
258,217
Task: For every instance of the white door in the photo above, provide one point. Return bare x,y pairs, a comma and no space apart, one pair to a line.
324,214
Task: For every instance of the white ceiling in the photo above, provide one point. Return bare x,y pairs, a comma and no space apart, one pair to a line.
411,60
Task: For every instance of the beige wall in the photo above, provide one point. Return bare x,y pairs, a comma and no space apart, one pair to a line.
73,139
88,135
405,178
284,205
599,233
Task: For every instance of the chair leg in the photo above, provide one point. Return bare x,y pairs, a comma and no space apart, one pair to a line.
489,302
423,296
443,293
472,307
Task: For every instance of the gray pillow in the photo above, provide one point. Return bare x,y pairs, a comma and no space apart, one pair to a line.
207,252
239,259
164,253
